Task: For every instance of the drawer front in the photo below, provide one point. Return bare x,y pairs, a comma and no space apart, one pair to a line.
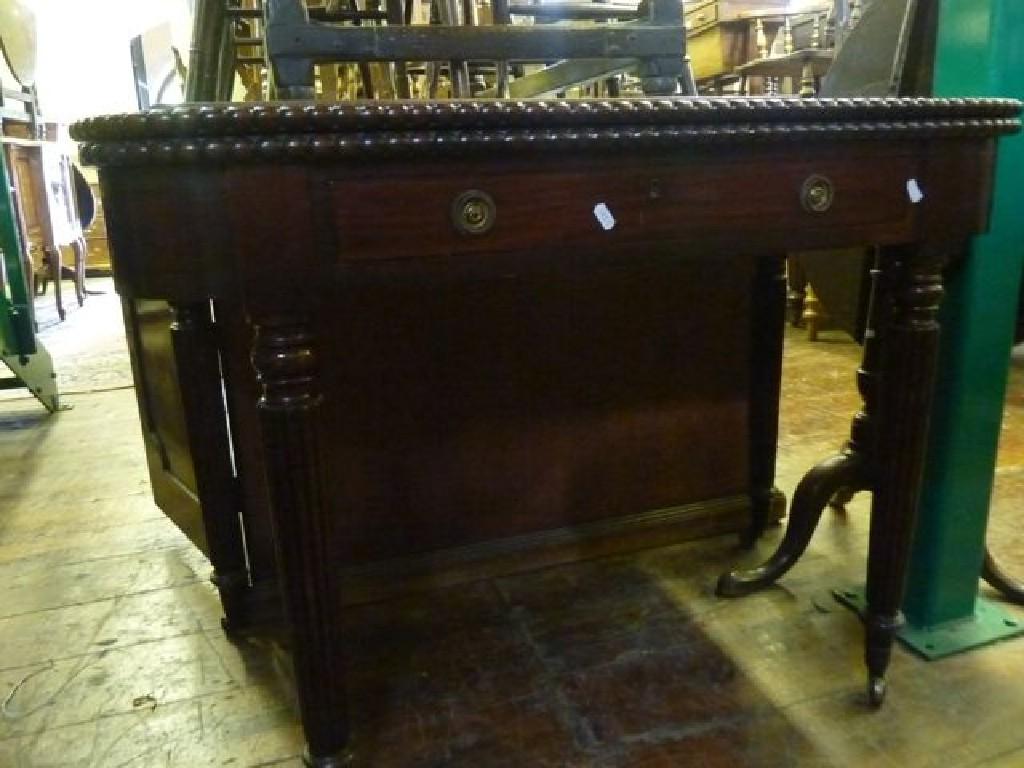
709,51
702,204
700,16
735,9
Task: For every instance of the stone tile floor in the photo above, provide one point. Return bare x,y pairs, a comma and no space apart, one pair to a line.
111,653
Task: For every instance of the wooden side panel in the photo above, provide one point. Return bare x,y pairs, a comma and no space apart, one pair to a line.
147,324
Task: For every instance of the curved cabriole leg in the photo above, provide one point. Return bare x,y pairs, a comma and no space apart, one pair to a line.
289,415
78,246
56,273
998,579
809,500
841,498
909,351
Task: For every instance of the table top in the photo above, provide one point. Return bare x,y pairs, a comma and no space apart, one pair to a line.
298,131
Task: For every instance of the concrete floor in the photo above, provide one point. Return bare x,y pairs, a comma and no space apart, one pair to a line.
111,652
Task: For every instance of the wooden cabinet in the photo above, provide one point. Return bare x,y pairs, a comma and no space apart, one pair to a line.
97,251
720,34
29,201
46,210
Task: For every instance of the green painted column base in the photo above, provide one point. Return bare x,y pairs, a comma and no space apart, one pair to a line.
35,373
989,624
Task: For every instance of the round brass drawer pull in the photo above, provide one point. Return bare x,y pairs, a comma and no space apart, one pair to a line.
473,212
817,194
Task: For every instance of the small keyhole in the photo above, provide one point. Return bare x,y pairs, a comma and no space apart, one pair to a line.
817,194
473,212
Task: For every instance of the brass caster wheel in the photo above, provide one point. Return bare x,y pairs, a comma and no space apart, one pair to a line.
876,691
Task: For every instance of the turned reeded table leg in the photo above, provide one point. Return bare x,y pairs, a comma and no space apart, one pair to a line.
289,415
909,355
885,452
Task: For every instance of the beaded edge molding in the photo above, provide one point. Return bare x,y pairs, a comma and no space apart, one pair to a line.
286,118
315,147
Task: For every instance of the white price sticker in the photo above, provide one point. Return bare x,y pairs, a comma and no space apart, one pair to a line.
604,216
914,191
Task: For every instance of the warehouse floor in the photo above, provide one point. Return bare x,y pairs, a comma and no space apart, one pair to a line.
111,653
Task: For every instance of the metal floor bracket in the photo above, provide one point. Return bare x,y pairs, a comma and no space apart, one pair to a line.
989,624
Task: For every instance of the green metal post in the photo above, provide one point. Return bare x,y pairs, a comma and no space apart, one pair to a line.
16,332
19,348
980,52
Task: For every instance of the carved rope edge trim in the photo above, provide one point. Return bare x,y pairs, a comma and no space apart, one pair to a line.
313,147
264,119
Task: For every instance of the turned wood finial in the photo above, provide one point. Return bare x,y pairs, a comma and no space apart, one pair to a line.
807,81
760,39
813,314
816,32
285,365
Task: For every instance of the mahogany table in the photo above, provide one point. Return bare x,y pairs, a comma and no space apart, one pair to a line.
486,309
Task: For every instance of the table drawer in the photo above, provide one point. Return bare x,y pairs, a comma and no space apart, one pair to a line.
701,16
703,205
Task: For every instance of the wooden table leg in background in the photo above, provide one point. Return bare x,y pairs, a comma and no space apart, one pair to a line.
53,256
767,320
81,250
290,408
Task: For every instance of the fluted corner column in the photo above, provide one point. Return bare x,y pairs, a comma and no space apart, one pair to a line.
290,408
909,354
